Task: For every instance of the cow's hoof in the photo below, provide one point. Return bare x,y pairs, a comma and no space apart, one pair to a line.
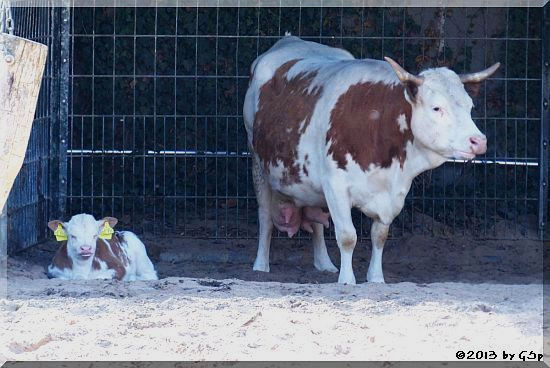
327,267
376,279
349,280
261,267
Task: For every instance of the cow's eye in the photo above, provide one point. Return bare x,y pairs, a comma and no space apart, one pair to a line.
436,108
73,237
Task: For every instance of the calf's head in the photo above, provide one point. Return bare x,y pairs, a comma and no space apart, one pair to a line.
82,234
441,110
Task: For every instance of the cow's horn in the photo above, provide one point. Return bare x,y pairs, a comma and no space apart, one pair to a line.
403,75
479,76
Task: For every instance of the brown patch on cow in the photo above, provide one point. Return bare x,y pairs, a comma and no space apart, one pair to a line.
116,245
115,260
369,141
95,264
283,106
61,259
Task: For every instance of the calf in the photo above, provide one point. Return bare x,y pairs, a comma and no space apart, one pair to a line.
88,251
328,130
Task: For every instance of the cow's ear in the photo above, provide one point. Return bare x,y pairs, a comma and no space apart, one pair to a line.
410,81
473,88
54,224
412,90
111,220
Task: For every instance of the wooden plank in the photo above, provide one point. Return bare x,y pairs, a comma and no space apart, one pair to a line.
20,82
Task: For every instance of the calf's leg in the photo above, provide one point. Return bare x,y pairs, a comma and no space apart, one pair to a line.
379,234
321,260
263,196
346,236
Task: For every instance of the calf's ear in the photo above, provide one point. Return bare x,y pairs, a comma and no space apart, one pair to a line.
53,225
111,220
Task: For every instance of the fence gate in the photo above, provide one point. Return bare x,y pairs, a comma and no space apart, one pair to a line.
37,193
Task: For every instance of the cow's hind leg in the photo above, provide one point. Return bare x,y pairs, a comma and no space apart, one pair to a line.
263,196
321,259
346,236
379,234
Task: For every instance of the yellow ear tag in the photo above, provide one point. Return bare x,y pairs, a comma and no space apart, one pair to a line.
107,232
60,234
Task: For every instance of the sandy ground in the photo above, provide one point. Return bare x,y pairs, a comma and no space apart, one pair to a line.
183,318
441,297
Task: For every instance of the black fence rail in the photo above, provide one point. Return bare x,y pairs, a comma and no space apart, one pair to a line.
36,194
155,119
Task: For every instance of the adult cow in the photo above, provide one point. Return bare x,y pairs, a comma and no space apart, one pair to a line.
328,130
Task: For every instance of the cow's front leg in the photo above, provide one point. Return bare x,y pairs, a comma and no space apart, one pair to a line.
379,234
321,260
338,203
263,196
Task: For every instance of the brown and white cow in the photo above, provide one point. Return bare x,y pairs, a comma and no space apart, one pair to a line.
85,255
328,130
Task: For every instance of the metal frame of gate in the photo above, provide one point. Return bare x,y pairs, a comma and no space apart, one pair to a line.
38,193
544,208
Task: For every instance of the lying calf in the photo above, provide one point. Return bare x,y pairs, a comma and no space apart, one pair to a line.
91,249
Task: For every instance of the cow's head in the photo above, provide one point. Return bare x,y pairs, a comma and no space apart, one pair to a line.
441,110
82,233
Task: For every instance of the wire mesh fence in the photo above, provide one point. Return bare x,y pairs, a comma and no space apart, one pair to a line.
35,193
156,136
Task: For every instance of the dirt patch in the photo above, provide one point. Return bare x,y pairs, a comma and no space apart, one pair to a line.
195,319
442,295
419,259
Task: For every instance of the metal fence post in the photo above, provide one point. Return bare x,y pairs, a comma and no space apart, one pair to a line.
64,104
59,110
545,123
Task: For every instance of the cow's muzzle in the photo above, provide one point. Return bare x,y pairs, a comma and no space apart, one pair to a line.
478,144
